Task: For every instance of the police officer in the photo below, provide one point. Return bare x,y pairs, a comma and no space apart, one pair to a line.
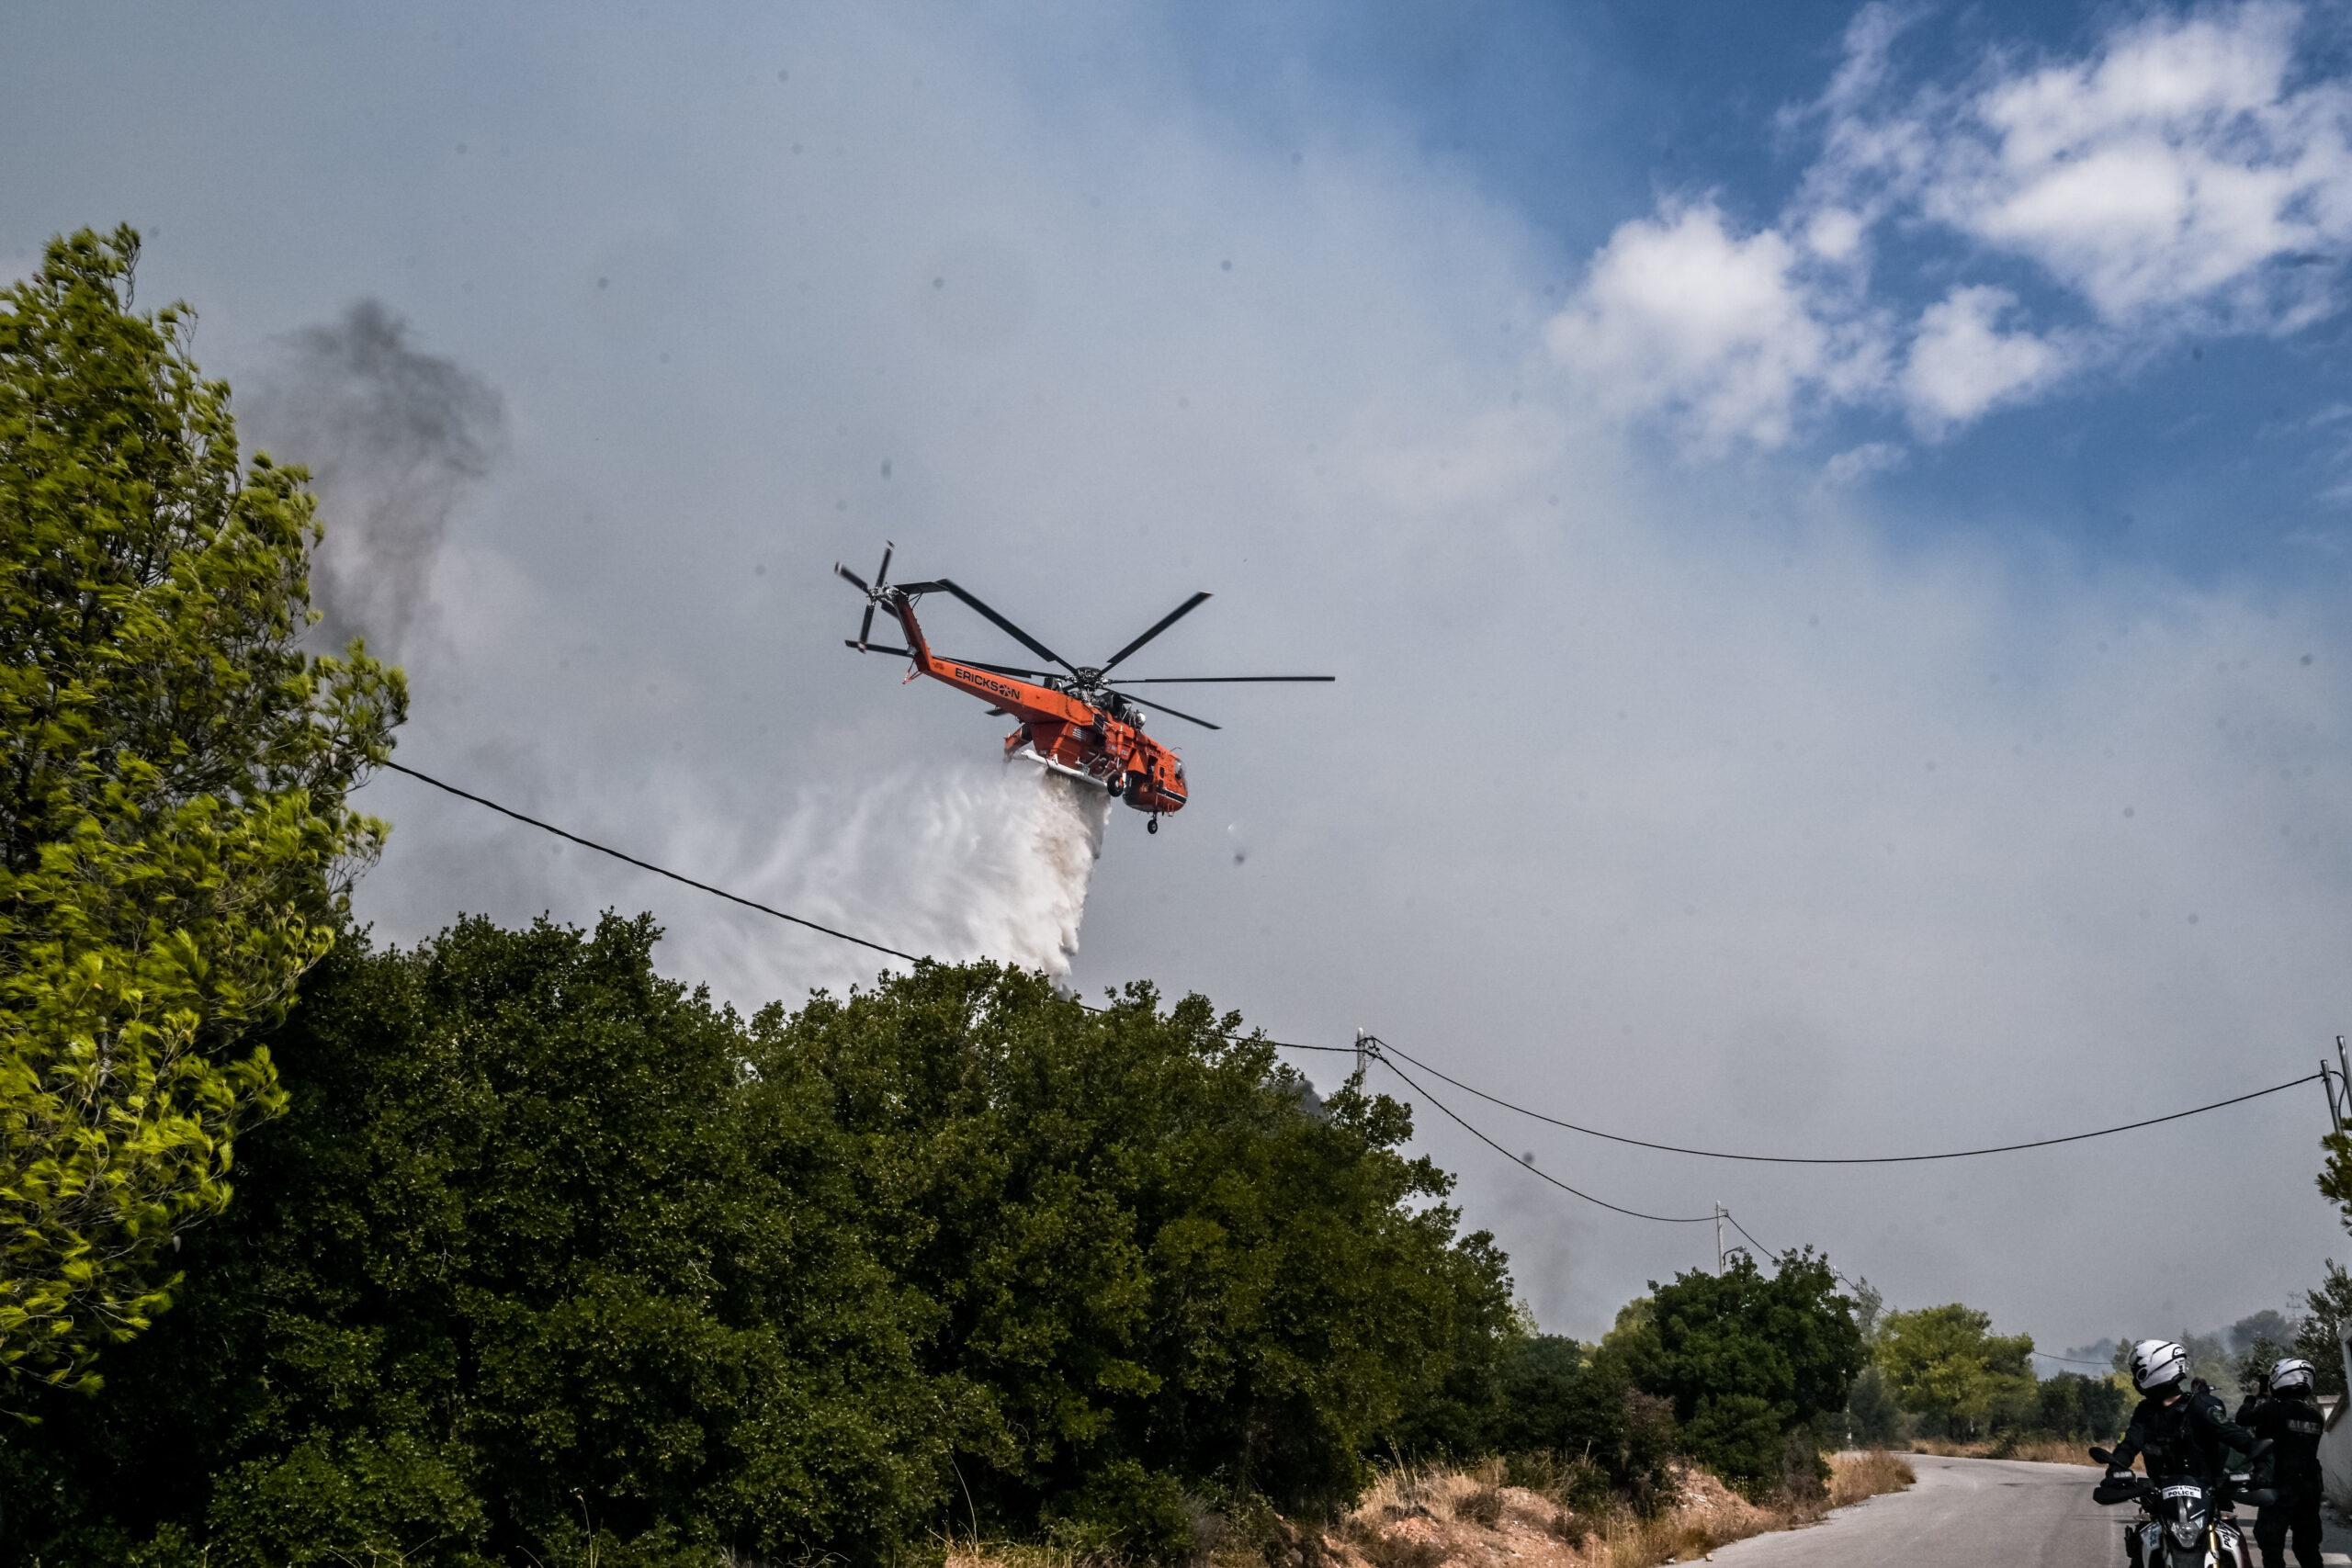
2286,1411
2185,1434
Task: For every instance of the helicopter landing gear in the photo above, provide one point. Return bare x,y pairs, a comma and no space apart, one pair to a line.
1152,826
1117,785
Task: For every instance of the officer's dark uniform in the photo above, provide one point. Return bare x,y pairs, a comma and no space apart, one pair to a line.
2185,1437
2291,1422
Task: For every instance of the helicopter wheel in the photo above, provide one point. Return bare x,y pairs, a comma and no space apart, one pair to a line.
1118,785
1152,826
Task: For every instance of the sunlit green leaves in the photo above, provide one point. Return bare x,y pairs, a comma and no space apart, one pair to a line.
175,841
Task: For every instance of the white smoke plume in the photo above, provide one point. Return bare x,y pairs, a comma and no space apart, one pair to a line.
969,861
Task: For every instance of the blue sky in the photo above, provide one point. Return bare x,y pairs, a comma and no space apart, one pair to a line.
1840,631
2198,450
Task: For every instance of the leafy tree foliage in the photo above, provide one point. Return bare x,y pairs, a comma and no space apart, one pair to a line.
531,1265
1748,1362
1873,1420
1152,1250
1555,1397
1947,1365
2319,1334
2069,1404
551,1259
175,836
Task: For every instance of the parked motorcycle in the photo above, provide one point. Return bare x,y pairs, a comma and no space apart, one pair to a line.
2183,1524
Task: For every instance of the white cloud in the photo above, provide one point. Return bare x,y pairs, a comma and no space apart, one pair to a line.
2165,173
1962,362
1680,312
1835,234
1856,464
2181,177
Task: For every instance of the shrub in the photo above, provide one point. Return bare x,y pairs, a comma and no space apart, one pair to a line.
551,1259
1746,1359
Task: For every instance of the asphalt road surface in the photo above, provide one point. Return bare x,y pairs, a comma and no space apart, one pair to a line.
1967,1512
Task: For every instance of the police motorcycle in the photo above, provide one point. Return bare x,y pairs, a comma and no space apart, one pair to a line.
2183,1524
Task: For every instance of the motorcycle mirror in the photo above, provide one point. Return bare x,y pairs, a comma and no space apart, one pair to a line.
2102,1456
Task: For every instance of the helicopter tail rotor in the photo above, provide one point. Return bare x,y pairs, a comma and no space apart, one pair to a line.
873,592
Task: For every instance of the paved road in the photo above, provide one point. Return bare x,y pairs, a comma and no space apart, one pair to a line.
1964,1513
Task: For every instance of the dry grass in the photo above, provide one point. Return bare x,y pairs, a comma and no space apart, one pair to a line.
1853,1477
1709,1515
2043,1450
1010,1554
1431,1516
1482,1504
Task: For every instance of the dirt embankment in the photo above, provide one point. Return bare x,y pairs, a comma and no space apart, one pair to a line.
1424,1518
1428,1517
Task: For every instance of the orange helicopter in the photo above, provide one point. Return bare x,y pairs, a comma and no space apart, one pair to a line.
1075,721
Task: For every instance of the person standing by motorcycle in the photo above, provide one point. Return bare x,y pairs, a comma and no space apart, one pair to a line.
2184,1435
2286,1410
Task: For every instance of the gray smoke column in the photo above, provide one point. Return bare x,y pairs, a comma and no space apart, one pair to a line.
393,436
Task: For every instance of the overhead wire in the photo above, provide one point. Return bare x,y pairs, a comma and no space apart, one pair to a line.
1574,1192
622,855
1378,1049
584,844
1852,1159
1758,1246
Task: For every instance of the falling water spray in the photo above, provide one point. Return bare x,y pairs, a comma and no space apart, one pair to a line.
958,862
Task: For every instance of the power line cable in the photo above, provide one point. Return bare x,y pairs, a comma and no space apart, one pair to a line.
1835,1272
1761,1249
868,942
587,843
1613,1208
647,864
1852,1159
2074,1361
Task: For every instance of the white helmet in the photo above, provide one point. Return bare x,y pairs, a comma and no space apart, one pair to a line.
2290,1374
2157,1362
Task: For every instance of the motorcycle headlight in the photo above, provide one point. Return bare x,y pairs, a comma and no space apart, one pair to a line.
2188,1527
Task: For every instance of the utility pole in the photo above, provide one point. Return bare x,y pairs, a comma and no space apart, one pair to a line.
1361,1037
2337,1080
1719,1241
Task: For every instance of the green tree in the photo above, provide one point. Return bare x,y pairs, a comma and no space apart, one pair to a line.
1154,1253
174,838
1945,1364
1556,1398
1749,1360
1873,1420
2069,1404
551,1261
539,1268
2318,1333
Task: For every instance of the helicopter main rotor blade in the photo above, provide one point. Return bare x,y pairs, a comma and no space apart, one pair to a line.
865,627
852,578
1162,625
945,586
884,575
877,648
1174,713
1208,679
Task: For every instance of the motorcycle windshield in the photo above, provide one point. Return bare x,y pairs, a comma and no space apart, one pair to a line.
2184,1509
